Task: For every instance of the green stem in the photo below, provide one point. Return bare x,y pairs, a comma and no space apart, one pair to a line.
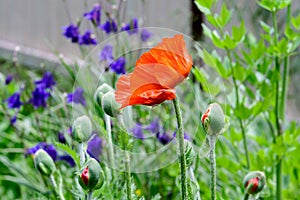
237,104
90,194
181,149
246,196
277,114
58,192
110,145
81,153
192,176
213,168
126,163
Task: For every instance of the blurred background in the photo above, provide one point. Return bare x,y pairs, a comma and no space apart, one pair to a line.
32,29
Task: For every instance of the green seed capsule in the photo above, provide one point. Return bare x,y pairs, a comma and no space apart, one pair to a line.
44,163
109,104
82,129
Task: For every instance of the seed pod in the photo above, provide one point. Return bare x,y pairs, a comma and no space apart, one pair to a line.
90,174
109,104
82,129
213,119
254,182
101,90
44,163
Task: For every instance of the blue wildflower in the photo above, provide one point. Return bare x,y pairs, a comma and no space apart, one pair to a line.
137,131
164,137
46,82
87,38
145,35
49,148
186,136
8,79
76,97
13,120
39,97
118,66
71,32
94,147
94,15
68,159
154,126
109,26
14,100
61,138
131,27
107,54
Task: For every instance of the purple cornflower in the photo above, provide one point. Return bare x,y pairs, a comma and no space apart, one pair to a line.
49,148
71,32
61,138
46,82
154,126
94,147
186,136
145,35
76,97
94,15
13,120
39,97
107,54
87,38
131,27
137,131
164,137
68,159
14,100
8,79
109,26
118,66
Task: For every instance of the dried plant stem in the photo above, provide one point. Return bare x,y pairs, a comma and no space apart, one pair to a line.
181,149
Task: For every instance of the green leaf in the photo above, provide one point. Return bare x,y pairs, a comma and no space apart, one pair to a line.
296,22
205,5
70,151
274,5
238,33
225,16
239,72
217,40
228,42
266,27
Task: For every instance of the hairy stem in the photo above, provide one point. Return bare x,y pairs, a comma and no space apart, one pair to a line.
110,145
181,149
58,192
192,176
81,153
213,168
246,196
277,114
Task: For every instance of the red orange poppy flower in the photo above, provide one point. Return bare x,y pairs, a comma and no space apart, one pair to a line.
156,74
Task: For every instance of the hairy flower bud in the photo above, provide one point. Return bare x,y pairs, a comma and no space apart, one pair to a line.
90,175
213,119
101,90
254,182
44,163
82,129
109,104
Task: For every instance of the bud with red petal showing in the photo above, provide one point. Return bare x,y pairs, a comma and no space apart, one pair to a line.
89,176
254,182
213,119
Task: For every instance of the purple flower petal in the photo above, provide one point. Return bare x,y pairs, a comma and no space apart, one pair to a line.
71,32
76,97
107,54
137,131
94,15
94,148
109,26
14,101
87,38
145,35
118,66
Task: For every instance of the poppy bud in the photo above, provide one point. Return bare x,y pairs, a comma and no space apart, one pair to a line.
254,182
213,119
43,162
109,104
82,129
90,175
101,90
189,153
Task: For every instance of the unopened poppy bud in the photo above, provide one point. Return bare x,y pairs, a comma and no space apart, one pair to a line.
254,182
82,129
109,104
213,119
101,90
189,153
44,163
90,175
